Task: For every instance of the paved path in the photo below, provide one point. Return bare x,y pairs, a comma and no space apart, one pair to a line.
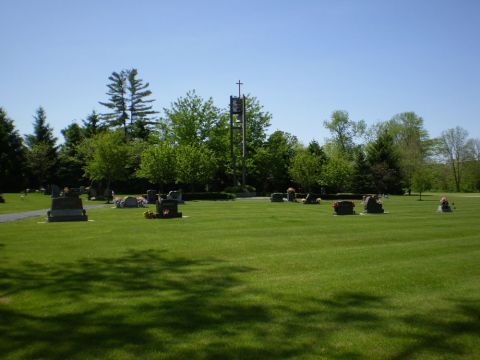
27,214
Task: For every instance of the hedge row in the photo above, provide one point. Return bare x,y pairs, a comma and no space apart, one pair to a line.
208,196
331,196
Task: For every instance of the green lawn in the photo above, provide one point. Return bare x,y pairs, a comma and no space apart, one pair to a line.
245,280
20,202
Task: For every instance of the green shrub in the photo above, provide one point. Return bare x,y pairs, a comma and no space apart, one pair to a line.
208,196
331,196
239,189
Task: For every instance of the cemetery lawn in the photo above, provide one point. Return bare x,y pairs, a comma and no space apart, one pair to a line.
19,202
245,280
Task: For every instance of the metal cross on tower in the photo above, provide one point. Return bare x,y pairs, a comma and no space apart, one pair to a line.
239,84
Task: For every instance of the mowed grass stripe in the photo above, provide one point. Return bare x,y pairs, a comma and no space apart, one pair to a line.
244,280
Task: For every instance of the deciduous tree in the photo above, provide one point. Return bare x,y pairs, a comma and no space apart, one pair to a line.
195,165
306,168
454,147
343,132
158,164
422,180
107,157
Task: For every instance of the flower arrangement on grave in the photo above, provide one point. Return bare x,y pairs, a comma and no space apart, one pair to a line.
149,214
118,202
141,201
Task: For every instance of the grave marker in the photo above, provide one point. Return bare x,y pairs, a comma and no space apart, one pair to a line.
167,209
66,209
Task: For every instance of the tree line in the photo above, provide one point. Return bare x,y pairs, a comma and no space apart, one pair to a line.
131,147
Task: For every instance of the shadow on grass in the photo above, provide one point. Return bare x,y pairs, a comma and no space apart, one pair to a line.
439,333
136,305
150,304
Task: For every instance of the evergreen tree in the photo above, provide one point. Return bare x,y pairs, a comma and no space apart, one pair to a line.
315,149
129,108
12,155
70,162
42,167
384,164
42,132
117,92
140,112
42,156
362,181
92,125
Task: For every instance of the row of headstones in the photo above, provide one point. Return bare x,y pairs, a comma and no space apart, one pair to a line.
371,204
151,198
69,207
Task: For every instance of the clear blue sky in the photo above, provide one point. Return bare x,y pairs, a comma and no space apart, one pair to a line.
301,59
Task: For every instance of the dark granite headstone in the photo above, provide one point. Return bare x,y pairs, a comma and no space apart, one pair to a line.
152,196
2,200
92,193
55,191
167,209
344,207
291,195
96,191
276,197
444,205
66,209
310,199
372,205
175,195
108,195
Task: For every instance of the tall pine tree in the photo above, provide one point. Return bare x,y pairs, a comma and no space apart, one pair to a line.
117,92
42,157
129,107
362,181
42,132
70,170
384,163
139,108
12,155
92,125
